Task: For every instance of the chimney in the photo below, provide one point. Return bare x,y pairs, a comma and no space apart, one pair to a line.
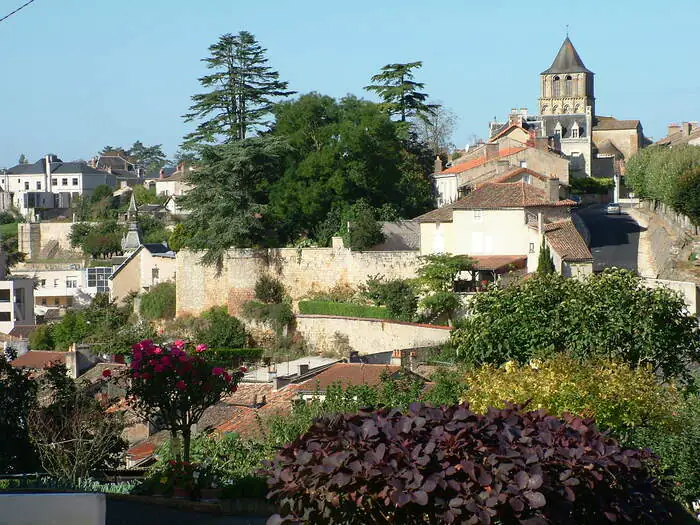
540,223
672,128
542,143
491,150
438,164
47,165
686,128
161,174
553,189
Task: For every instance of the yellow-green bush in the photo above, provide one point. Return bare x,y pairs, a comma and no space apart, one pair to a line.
616,396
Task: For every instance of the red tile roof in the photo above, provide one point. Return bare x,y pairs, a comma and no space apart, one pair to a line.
478,161
519,171
492,196
566,240
499,262
39,359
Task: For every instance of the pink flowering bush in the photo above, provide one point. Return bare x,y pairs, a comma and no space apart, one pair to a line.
174,387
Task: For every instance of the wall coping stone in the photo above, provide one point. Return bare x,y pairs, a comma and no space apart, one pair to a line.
372,320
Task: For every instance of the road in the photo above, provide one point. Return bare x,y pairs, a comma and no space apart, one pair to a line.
614,238
133,513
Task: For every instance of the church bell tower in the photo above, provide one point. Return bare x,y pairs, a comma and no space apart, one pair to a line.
566,88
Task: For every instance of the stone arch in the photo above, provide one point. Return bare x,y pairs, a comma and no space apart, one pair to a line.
556,87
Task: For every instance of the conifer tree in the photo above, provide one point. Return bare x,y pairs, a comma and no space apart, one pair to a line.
545,264
399,92
240,92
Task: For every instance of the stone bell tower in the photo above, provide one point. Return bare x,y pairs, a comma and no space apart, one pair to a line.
566,88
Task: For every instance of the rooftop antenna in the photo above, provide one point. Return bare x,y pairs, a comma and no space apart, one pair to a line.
567,30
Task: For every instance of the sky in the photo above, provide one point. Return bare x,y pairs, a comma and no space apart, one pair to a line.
77,75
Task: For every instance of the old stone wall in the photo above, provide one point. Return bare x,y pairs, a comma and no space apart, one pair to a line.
34,238
301,270
329,334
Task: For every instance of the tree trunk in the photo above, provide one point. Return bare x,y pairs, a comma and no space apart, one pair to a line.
175,445
186,439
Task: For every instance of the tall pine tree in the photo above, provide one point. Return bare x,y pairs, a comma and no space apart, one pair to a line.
399,92
545,264
241,91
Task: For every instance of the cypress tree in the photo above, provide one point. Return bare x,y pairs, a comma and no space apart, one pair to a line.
545,264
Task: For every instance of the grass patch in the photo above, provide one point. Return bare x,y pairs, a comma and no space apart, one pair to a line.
8,229
343,309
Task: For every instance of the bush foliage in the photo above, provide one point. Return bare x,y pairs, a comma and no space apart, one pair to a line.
159,302
221,330
431,465
398,295
343,309
611,315
233,357
617,396
269,290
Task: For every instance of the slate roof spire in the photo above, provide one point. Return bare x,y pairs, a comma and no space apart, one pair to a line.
567,60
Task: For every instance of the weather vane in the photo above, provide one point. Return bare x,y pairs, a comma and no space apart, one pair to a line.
567,30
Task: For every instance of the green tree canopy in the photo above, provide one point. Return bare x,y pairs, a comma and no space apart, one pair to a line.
228,203
654,172
545,264
612,315
240,92
23,159
399,92
151,158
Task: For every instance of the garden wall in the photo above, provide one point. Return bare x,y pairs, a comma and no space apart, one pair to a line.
301,270
36,239
366,336
53,509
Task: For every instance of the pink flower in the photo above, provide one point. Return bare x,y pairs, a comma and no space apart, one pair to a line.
158,369
234,388
217,371
147,342
107,373
158,350
180,385
136,346
165,360
145,376
179,344
135,364
136,375
183,358
201,347
227,377
243,369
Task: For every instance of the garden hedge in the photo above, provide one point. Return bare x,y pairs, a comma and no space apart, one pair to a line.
343,309
229,357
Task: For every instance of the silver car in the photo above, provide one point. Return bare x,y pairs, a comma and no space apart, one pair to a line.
613,209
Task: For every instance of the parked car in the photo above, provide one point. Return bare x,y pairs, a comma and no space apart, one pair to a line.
613,209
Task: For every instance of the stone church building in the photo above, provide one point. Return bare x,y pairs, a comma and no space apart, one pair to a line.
595,145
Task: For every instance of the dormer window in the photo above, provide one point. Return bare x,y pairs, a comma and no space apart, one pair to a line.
575,131
557,130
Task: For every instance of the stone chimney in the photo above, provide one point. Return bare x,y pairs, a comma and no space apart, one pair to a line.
686,128
437,168
672,128
553,189
491,150
540,223
161,174
542,143
47,165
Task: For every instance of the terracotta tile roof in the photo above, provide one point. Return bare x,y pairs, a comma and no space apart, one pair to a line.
499,262
565,239
478,161
679,138
506,129
347,374
611,123
245,420
39,359
492,196
518,171
147,447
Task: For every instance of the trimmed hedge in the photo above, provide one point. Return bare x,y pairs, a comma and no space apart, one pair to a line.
343,309
232,357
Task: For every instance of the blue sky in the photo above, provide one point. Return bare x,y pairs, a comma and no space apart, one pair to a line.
77,75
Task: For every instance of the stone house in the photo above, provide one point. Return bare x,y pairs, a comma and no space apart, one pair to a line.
683,133
145,267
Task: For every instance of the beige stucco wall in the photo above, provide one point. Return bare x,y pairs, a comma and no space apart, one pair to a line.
628,141
367,336
137,275
33,237
199,287
126,281
498,232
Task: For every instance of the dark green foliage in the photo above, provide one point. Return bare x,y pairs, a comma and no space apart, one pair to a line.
364,229
508,466
611,315
398,295
343,309
241,90
159,302
278,315
103,191
677,448
97,240
177,238
228,202
233,357
448,388
72,432
654,172
399,92
269,290
41,338
591,185
73,328
687,197
436,277
221,330
7,218
152,229
150,158
545,263
17,399
143,195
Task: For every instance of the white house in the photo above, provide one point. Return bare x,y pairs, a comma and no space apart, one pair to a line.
51,183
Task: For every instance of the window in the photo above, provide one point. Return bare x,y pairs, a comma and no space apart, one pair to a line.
556,88
527,179
55,283
532,247
71,282
54,182
5,316
523,164
56,301
4,296
574,133
42,283
98,277
64,182
478,217
568,86
38,185
155,273
75,181
26,185
43,301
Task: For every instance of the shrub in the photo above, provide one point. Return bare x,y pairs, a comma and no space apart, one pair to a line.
343,309
221,329
365,230
687,197
431,465
341,292
617,396
436,276
278,315
233,357
41,338
612,315
159,302
398,295
591,185
677,448
6,217
269,290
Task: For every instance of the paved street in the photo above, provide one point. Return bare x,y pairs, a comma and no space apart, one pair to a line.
134,513
614,238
